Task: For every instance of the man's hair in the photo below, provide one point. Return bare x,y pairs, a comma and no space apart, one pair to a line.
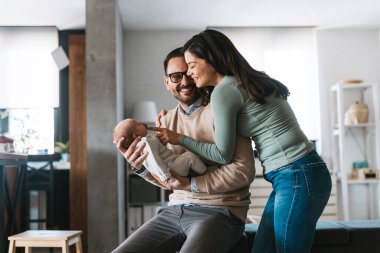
175,53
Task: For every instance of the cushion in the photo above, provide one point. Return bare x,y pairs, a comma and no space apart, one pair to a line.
331,233
246,241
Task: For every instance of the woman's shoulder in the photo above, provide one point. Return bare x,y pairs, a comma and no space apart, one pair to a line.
229,81
229,87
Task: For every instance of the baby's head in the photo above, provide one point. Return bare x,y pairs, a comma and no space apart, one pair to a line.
129,129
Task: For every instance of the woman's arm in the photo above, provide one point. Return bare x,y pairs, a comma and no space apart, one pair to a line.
226,101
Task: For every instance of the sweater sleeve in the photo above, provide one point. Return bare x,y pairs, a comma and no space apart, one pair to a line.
226,101
233,176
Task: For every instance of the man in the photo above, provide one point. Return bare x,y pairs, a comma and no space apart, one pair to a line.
206,213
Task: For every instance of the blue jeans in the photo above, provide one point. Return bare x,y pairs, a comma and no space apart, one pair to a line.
300,193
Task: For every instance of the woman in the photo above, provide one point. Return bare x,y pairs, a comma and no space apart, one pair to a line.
252,104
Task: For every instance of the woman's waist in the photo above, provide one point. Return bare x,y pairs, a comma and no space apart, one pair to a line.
282,157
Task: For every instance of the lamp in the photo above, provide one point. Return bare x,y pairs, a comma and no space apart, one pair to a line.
145,111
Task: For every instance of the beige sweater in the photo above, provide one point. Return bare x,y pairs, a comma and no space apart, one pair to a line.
223,186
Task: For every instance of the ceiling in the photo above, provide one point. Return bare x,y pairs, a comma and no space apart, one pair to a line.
198,14
64,14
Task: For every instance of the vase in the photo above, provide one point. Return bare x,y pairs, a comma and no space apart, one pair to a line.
65,157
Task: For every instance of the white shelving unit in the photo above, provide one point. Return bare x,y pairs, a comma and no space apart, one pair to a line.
355,142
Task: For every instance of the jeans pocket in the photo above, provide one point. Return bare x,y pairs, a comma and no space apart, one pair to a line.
317,177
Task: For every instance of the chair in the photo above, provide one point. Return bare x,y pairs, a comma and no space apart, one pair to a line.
40,177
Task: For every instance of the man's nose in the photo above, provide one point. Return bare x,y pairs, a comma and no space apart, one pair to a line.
187,79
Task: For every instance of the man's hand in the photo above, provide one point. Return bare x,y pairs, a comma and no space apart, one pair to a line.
134,156
158,118
166,136
175,182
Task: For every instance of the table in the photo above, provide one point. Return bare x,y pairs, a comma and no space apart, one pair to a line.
9,198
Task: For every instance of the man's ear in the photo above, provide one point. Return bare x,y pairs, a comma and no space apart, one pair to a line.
166,82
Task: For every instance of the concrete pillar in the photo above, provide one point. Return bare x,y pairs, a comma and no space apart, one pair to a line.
101,117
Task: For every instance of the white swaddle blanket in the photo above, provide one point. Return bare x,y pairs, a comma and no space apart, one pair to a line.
161,159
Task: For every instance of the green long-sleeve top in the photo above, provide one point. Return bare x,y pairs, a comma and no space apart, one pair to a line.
272,126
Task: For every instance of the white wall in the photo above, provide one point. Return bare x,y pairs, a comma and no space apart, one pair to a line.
144,54
346,54
342,54
288,55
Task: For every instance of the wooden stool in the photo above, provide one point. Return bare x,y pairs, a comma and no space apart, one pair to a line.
46,238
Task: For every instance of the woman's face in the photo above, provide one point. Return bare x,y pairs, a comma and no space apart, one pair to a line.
203,73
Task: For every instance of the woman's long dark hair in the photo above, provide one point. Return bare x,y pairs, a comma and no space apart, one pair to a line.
219,51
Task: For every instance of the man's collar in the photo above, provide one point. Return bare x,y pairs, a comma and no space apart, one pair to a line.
191,108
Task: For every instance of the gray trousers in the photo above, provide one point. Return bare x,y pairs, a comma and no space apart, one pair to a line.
186,229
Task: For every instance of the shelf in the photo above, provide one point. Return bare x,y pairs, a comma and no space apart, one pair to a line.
360,125
352,142
358,181
363,181
356,86
345,86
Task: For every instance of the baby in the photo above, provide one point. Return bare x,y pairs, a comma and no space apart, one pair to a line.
160,159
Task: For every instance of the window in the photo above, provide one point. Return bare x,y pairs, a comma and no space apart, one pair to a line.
32,130
29,86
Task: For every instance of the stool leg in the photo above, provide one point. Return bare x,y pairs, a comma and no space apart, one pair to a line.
28,249
12,247
65,247
78,246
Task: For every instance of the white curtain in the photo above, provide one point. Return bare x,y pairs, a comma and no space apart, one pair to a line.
29,77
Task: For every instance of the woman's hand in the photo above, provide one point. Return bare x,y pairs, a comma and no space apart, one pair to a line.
162,113
175,182
166,136
134,156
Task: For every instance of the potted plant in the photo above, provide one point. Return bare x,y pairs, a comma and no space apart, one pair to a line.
63,149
